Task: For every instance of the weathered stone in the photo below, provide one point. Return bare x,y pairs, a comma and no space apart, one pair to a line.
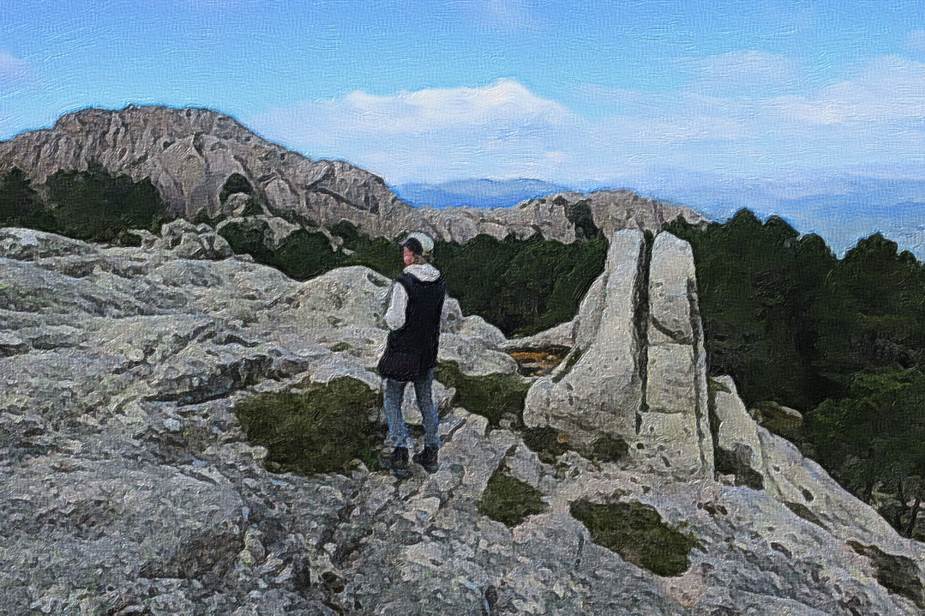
598,389
738,449
129,486
562,334
675,365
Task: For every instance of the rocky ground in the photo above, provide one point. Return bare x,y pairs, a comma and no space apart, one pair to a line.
130,486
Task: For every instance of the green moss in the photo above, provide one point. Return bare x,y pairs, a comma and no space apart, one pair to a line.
315,430
509,500
340,346
609,449
549,444
490,396
546,441
636,532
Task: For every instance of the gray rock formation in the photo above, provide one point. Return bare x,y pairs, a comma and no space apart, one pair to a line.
637,370
189,155
675,422
130,488
598,387
738,449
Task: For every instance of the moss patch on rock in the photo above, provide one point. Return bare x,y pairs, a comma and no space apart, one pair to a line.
609,449
509,500
546,441
549,444
490,396
636,532
317,429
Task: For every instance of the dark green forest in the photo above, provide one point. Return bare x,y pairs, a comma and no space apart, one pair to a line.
841,340
521,286
91,205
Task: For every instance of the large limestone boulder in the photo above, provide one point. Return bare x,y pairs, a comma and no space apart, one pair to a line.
597,390
637,368
767,462
674,424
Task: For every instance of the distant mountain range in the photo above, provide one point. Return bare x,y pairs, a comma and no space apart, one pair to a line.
476,192
841,209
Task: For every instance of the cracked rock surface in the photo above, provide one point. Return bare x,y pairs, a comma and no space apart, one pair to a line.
129,486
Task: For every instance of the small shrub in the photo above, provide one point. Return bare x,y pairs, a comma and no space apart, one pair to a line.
636,532
236,183
509,500
609,449
316,430
546,441
490,396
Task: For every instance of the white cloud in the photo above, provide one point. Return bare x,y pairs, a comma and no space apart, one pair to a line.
887,89
738,72
12,69
502,103
875,116
434,131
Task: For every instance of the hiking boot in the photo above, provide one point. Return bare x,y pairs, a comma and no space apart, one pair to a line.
427,458
399,458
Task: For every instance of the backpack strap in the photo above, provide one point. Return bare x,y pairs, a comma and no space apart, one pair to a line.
407,281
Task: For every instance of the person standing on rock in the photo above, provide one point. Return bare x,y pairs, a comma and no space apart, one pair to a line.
413,318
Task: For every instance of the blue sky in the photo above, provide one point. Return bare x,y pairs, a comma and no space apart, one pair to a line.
564,91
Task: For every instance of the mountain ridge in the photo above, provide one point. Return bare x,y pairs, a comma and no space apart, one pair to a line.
190,154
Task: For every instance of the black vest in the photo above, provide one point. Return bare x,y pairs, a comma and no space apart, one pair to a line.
411,350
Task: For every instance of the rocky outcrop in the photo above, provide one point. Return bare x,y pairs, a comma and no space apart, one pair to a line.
598,388
637,370
674,422
130,486
738,449
192,155
766,461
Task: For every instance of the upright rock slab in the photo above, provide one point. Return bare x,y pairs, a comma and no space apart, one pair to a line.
674,425
597,390
638,369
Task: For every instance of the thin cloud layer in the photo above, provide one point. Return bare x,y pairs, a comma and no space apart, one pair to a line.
12,69
503,129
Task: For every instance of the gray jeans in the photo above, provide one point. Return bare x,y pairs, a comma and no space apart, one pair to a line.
394,393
